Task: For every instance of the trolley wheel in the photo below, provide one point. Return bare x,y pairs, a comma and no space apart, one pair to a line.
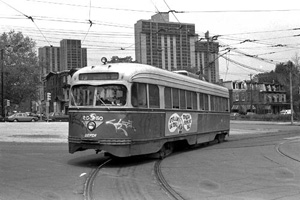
220,137
166,150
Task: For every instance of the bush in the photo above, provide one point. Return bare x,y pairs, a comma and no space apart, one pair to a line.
266,117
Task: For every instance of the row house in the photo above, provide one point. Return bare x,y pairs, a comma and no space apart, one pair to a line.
261,98
58,84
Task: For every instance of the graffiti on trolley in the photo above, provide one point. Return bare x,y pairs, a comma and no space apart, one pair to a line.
121,125
177,122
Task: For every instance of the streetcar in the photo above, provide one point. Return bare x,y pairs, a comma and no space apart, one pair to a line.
128,109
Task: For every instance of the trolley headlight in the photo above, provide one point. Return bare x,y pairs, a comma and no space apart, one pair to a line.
91,126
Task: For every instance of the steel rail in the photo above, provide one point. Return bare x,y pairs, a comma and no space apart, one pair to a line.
284,154
89,183
164,184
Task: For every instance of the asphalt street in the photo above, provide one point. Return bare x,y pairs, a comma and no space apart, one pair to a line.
35,164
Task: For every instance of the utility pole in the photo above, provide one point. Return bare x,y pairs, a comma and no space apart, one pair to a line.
2,83
208,67
251,98
290,64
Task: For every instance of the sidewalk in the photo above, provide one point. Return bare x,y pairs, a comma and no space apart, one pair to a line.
295,123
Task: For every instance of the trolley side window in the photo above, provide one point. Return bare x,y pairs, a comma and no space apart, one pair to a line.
153,96
168,97
212,103
182,99
188,99
175,94
139,95
205,101
203,98
226,101
194,100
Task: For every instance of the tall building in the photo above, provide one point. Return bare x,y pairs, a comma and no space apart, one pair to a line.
59,60
164,44
173,46
56,59
49,58
206,59
72,55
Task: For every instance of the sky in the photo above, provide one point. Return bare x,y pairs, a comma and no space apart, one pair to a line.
253,35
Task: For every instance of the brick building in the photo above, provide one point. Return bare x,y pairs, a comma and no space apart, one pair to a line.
264,97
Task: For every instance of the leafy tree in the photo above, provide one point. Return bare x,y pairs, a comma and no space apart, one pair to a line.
20,63
268,77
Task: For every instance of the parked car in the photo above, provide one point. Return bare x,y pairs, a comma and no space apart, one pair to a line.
21,117
55,116
234,114
32,114
1,118
286,112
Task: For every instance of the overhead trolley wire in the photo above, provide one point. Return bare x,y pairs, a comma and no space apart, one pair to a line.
95,7
28,17
242,65
172,11
240,11
90,22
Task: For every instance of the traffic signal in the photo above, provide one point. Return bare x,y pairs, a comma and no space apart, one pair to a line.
48,96
7,102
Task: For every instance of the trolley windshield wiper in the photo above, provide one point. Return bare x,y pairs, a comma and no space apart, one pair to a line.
75,104
102,102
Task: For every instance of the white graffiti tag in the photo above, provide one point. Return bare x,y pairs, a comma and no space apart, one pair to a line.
120,124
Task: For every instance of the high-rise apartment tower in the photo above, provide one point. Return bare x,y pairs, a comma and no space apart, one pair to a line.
173,46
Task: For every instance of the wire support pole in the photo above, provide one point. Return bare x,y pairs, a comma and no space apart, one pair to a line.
2,83
291,94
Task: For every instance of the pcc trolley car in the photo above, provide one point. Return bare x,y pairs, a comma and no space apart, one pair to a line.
128,109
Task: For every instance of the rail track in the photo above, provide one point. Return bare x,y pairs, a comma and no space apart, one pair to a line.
164,184
88,186
278,149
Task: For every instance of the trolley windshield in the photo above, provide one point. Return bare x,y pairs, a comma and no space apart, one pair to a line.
103,95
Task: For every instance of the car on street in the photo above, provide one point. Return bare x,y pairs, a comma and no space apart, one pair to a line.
56,116
286,112
1,118
32,114
21,117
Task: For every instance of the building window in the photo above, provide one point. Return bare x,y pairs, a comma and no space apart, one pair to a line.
243,97
236,96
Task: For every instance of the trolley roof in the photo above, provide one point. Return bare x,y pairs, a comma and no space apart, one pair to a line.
134,72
